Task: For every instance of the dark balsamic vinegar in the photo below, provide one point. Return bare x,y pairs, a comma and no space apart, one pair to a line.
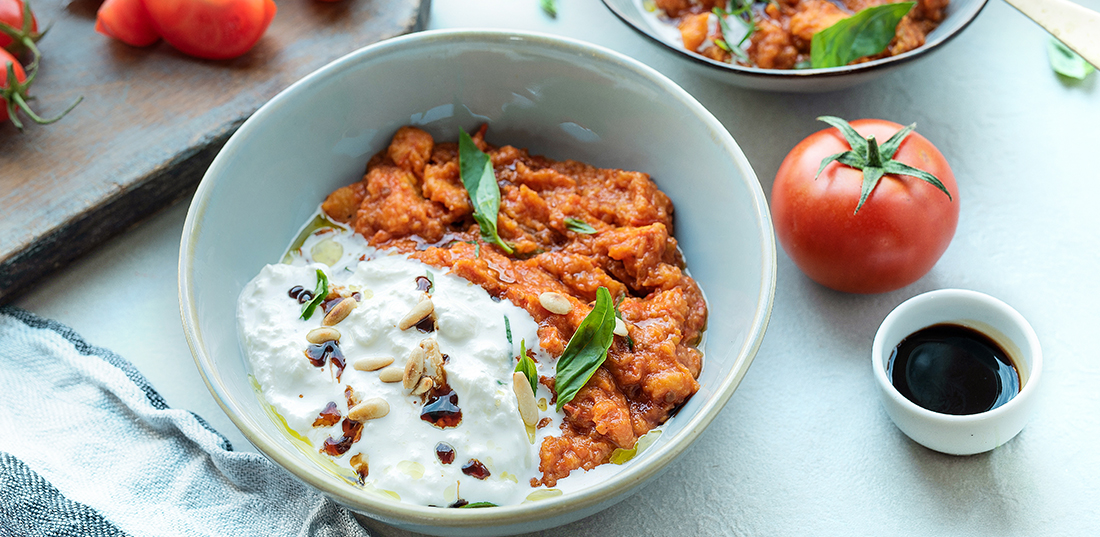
953,369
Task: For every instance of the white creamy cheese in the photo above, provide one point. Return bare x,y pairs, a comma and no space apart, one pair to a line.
401,447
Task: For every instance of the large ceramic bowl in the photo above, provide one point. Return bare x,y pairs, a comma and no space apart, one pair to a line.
561,98
633,12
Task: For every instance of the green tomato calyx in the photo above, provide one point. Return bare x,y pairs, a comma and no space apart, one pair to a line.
874,160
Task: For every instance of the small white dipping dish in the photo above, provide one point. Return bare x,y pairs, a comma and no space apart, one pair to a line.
960,434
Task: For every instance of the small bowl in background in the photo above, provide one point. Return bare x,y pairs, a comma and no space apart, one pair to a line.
960,13
950,433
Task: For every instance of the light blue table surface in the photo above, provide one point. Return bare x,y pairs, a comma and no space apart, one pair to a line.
804,447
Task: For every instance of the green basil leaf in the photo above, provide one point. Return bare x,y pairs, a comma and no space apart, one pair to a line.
864,34
578,226
527,366
550,7
476,170
728,33
478,504
586,350
319,295
1066,62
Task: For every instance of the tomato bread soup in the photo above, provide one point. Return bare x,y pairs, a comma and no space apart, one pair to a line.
572,243
779,34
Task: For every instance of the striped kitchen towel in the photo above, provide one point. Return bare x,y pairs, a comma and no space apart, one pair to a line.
89,448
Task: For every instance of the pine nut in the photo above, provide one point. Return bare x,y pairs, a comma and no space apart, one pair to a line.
391,374
423,386
435,359
528,410
620,328
555,303
421,310
414,369
339,312
373,363
369,410
322,334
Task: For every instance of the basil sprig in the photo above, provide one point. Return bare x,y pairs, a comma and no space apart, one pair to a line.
527,366
874,161
1066,62
728,33
476,170
319,295
864,34
577,225
586,350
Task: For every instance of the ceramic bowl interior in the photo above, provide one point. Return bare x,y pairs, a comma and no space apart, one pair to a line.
557,97
960,434
633,12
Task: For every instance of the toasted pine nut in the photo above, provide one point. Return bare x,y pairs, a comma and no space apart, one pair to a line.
369,410
373,363
620,328
423,386
322,334
339,311
555,303
421,310
414,369
391,374
528,410
435,359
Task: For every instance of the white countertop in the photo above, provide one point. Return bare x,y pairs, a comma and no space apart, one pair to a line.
803,447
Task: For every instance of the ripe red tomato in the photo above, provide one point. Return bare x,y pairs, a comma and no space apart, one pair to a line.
128,21
212,29
20,76
898,234
11,13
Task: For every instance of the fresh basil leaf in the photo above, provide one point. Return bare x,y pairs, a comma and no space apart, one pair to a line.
1066,62
550,7
478,504
586,350
527,366
864,34
319,295
728,33
578,226
476,170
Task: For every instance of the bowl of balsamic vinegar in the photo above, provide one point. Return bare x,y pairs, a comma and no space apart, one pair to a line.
957,370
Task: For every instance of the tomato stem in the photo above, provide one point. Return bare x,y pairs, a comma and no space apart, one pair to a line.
874,162
874,157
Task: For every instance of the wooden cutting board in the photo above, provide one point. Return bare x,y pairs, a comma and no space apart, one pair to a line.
151,121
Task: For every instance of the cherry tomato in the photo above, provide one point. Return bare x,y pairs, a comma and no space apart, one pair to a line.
128,21
11,13
20,76
897,235
212,29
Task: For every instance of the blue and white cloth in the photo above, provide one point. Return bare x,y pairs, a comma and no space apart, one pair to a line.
89,448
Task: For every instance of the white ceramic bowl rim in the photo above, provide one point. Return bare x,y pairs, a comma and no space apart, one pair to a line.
630,477
823,73
1029,345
